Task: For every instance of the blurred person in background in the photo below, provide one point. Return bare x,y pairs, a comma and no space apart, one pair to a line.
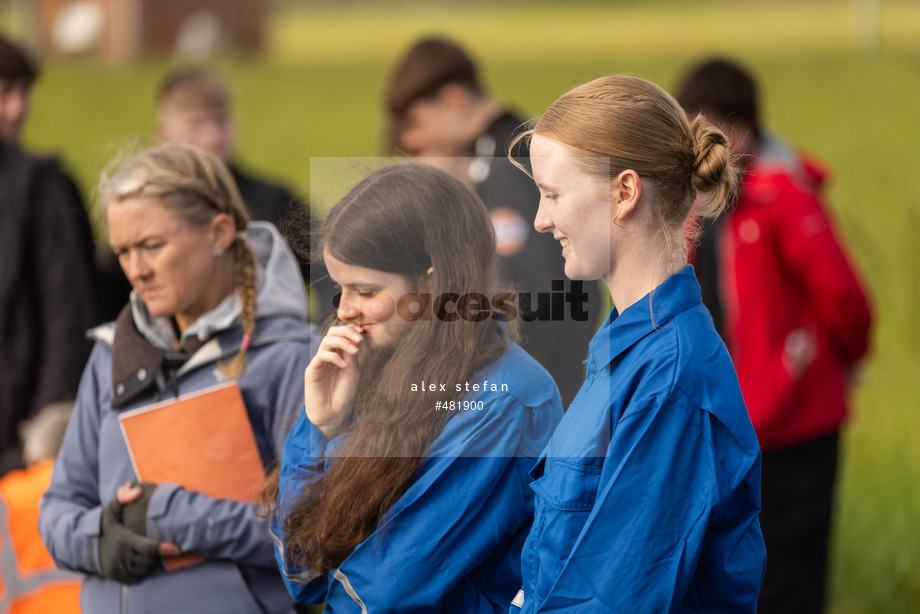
195,105
18,73
437,110
796,319
47,289
29,581
216,299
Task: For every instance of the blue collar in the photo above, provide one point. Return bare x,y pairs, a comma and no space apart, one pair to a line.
620,331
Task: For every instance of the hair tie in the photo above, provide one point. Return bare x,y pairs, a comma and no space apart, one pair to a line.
247,338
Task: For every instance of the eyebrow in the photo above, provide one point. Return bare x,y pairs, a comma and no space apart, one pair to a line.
116,247
359,284
544,187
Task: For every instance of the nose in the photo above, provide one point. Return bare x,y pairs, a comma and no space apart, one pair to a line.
543,222
208,138
135,266
214,136
347,310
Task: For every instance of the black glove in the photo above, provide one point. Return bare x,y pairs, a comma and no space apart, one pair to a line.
134,514
124,555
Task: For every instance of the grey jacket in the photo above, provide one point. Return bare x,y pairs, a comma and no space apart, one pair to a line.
133,365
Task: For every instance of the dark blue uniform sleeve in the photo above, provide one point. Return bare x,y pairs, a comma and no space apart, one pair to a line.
303,448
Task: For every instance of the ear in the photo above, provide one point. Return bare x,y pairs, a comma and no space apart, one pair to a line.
625,191
223,231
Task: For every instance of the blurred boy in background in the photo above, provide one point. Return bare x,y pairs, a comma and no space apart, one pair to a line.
438,110
796,320
195,105
29,581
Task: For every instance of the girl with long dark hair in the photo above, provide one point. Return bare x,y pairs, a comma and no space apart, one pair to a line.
403,485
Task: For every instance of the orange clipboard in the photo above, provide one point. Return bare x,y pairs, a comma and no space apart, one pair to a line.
202,442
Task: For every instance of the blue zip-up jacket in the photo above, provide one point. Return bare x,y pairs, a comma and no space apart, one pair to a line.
239,574
452,542
648,493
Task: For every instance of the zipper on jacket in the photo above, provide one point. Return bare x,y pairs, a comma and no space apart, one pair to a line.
171,364
173,382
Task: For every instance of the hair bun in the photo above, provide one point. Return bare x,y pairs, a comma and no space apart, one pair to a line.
712,171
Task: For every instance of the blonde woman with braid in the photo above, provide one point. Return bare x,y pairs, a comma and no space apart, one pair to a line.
215,299
648,493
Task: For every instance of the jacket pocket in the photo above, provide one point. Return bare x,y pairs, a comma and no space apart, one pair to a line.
565,496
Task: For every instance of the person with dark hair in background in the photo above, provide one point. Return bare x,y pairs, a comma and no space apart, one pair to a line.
437,110
18,73
195,105
403,485
32,584
47,275
796,320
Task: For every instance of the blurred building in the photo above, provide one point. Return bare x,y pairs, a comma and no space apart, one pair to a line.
123,30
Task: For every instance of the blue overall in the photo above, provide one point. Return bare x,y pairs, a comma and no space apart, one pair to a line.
648,493
452,542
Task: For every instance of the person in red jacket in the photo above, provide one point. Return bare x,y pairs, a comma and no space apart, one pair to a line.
796,320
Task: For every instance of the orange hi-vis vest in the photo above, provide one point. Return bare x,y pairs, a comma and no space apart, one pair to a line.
29,581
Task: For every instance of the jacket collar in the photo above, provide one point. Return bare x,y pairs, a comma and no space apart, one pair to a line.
146,352
654,311
137,364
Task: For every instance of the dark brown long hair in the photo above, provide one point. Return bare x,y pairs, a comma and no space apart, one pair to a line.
401,219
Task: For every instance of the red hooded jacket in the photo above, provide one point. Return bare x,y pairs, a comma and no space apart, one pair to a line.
796,319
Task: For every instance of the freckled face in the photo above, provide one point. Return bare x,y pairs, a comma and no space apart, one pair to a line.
171,264
369,298
575,207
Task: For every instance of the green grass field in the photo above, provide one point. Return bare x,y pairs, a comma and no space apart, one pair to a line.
317,94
